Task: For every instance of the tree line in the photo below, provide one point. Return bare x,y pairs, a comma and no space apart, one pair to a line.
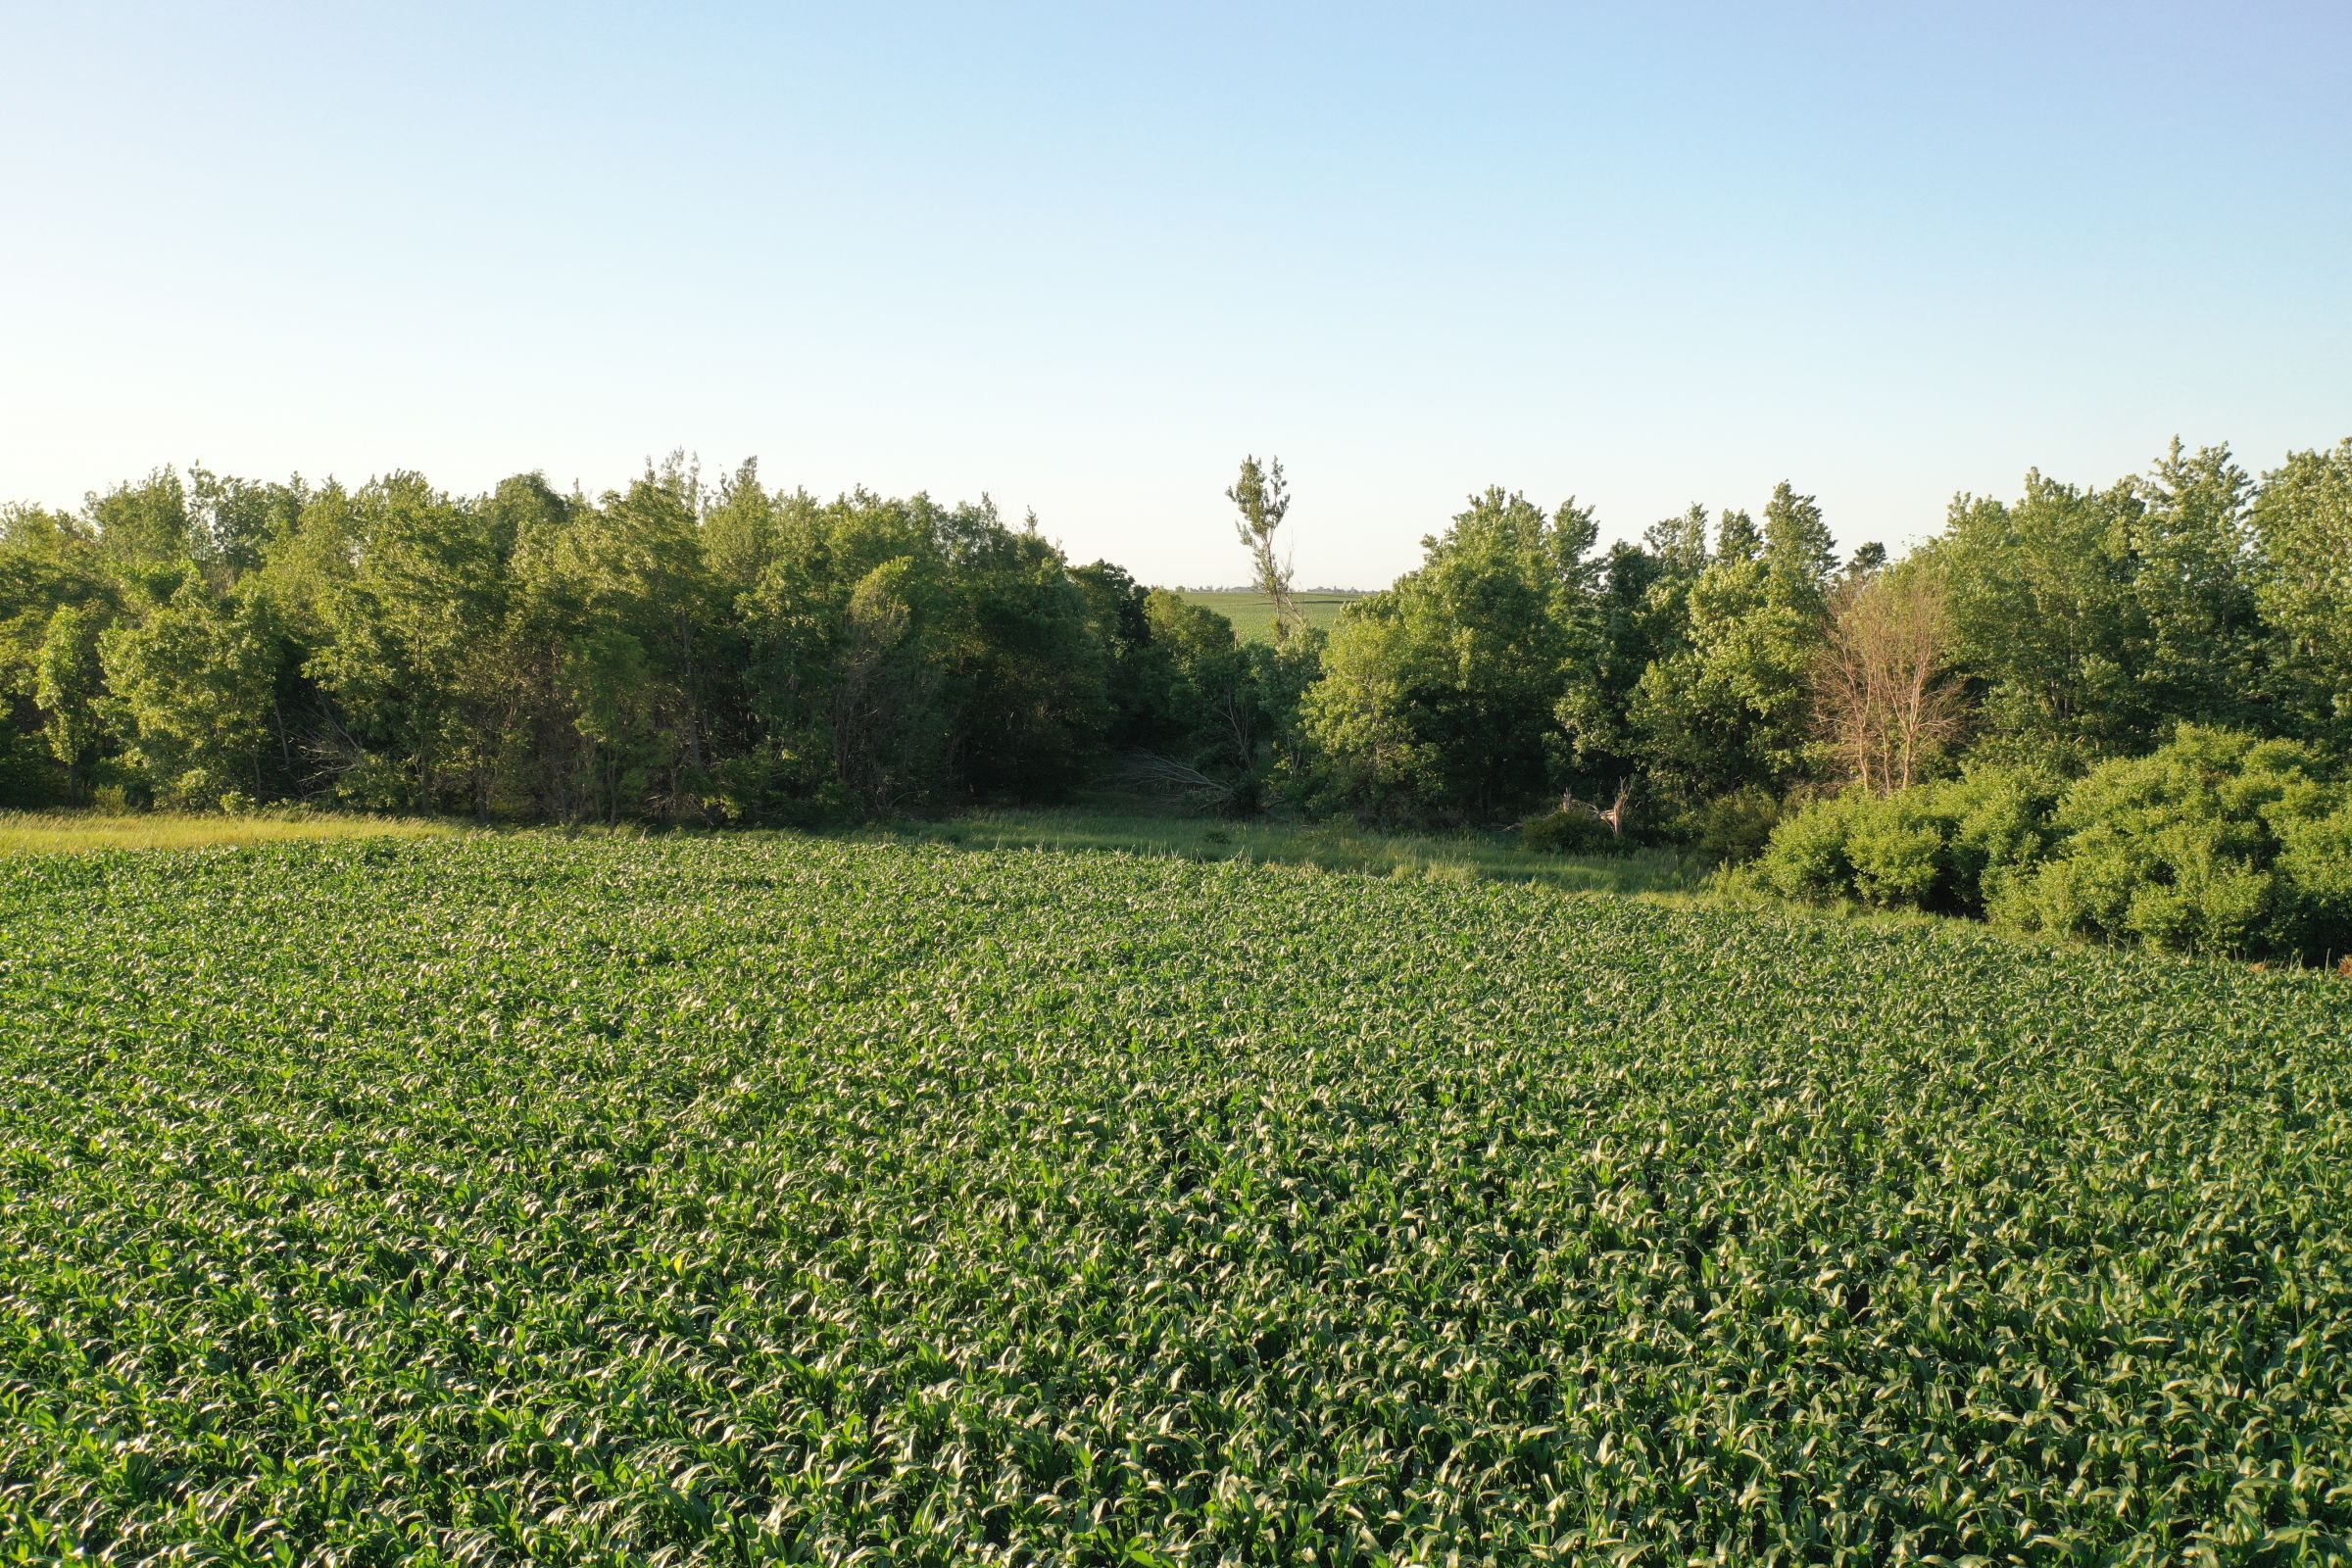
1720,658
680,650
674,651
2121,712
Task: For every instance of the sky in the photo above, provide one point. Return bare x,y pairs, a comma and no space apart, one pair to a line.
1086,257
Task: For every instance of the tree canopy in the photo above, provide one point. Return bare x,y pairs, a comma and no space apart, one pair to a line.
684,649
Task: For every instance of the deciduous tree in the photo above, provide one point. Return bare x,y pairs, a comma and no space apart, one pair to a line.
2302,522
1886,701
1264,500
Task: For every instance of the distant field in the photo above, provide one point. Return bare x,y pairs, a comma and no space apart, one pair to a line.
47,832
749,1198
1252,615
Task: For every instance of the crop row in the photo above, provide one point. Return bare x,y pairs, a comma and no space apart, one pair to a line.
778,1201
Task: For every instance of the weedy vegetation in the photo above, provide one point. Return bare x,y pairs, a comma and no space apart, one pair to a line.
53,832
1333,846
748,1200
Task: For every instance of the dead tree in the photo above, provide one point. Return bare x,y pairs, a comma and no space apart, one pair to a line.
1618,814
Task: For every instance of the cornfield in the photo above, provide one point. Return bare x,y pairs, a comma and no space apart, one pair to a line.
735,1200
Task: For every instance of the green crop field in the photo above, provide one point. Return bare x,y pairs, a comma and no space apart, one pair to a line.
1252,614
521,1198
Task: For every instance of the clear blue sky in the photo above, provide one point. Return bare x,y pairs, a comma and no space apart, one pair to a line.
1083,258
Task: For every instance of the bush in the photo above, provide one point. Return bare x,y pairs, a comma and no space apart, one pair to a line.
1732,829
1896,851
1806,855
2217,843
1997,826
2315,856
1942,847
1568,833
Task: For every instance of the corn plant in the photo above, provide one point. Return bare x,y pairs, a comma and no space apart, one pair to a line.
760,1200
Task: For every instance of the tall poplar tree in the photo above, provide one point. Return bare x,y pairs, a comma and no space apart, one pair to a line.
1264,500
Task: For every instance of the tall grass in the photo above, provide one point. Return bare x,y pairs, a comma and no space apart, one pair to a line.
1331,846
67,832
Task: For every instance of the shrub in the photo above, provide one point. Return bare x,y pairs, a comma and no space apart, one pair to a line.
1997,825
1896,851
2315,856
1942,847
1568,833
2218,842
1732,829
1806,855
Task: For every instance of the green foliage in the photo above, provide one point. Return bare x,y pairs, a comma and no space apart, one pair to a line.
1731,829
2181,850
1729,709
1805,857
53,598
1208,709
2219,842
902,655
1636,617
1028,670
2043,617
1437,698
2315,860
409,620
1799,550
2094,619
1726,707
1947,847
1368,719
1134,680
145,533
2302,522
757,1200
1567,832
675,651
1999,827
2192,554
67,683
668,651
189,683
1897,855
